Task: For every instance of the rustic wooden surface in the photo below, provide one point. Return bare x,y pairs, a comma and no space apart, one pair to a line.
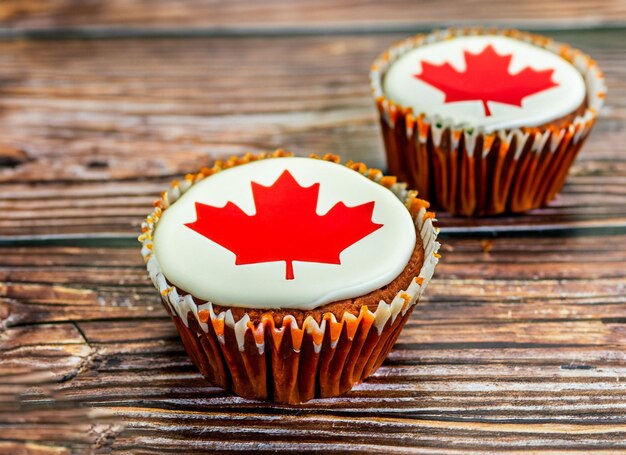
244,15
520,344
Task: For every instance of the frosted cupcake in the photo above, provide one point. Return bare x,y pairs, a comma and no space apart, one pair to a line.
289,278
485,122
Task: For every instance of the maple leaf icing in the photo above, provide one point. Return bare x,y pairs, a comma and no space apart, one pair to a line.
486,78
286,226
491,82
326,193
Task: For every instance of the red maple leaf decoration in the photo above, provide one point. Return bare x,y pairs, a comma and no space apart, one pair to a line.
286,226
486,78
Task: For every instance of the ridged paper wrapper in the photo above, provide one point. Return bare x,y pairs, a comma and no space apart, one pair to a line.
469,171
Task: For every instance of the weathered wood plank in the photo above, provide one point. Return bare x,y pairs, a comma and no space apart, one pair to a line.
524,353
62,14
519,345
562,276
81,120
594,199
139,117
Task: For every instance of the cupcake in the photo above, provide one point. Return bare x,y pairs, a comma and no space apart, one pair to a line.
289,278
483,122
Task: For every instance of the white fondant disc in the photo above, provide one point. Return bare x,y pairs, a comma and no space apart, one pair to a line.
543,102
207,270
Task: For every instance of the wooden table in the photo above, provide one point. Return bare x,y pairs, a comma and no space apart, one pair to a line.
520,344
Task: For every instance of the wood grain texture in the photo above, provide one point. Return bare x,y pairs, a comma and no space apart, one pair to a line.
94,130
265,15
519,345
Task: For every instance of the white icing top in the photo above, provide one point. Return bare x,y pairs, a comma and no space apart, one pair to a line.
284,233
486,81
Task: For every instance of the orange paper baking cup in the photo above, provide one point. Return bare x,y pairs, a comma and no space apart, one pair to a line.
292,361
468,171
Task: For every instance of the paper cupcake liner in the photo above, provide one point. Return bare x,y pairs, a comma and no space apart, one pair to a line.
291,362
469,171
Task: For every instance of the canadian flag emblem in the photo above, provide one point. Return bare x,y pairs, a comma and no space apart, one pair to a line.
286,226
486,78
